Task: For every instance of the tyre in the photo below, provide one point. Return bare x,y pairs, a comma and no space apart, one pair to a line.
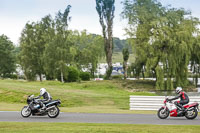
191,114
162,113
26,112
54,112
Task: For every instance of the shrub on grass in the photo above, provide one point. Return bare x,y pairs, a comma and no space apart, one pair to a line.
85,76
73,74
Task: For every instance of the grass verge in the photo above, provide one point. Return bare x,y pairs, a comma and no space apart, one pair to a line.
91,96
22,127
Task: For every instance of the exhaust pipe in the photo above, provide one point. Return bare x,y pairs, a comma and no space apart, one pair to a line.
50,108
189,109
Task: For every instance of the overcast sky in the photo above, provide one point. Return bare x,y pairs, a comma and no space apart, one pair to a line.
14,14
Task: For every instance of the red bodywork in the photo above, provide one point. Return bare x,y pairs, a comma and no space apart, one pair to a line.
190,105
173,113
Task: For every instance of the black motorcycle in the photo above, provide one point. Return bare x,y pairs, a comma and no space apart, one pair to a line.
34,108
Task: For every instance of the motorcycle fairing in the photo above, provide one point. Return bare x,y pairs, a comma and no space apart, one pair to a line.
190,105
173,113
52,102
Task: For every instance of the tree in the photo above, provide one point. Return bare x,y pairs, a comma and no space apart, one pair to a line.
32,45
125,53
7,58
163,39
195,59
173,45
59,50
87,46
105,10
141,15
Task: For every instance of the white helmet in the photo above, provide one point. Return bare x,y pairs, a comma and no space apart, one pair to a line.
178,90
42,91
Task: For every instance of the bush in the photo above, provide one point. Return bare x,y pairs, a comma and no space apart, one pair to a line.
73,74
85,76
117,77
11,76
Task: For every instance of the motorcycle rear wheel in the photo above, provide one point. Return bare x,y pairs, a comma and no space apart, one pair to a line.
163,114
54,112
26,112
192,114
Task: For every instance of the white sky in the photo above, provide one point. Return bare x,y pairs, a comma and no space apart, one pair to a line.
14,14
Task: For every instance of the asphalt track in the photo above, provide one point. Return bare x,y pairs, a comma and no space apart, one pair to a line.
99,118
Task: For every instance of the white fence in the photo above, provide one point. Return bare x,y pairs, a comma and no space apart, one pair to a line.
152,102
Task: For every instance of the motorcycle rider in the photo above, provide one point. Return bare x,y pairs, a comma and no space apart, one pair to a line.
46,98
184,99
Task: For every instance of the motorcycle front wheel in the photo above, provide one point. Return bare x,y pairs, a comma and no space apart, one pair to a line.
26,112
54,112
163,113
191,114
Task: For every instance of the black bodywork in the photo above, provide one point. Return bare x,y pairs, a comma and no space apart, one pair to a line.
36,107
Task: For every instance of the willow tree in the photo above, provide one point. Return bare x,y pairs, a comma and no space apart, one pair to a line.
141,15
105,10
163,40
195,59
172,41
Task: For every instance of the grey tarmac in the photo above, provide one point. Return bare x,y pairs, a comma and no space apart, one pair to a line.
14,116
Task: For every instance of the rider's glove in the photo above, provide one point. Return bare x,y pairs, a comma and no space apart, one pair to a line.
168,100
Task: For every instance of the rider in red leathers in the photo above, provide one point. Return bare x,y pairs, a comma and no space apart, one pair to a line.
184,99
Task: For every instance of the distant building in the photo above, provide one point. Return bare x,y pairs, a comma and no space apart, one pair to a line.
117,69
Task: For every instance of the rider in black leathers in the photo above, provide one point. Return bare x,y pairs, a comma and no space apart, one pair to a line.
46,98
184,99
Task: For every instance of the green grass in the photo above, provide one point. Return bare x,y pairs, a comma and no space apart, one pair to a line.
20,127
91,96
118,57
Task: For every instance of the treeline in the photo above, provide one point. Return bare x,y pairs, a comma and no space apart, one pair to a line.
7,57
165,42
49,48
119,44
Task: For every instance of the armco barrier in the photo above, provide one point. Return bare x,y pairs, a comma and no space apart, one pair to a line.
152,102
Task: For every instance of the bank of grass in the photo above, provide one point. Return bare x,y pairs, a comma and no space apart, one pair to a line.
118,57
21,127
105,96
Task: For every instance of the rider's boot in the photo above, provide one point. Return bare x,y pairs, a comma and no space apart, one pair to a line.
182,110
44,107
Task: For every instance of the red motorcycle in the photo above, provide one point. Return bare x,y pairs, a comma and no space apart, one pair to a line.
191,110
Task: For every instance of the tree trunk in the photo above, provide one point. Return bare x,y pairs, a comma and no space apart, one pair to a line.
143,74
61,76
109,62
196,76
109,70
155,74
108,48
125,69
40,75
